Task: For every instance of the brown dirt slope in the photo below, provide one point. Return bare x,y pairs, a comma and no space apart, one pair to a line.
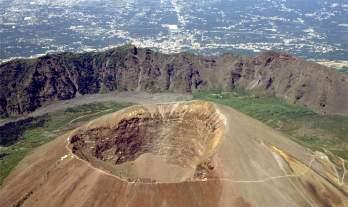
239,163
26,85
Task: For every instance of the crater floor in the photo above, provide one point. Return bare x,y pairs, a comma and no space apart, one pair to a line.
180,155
161,143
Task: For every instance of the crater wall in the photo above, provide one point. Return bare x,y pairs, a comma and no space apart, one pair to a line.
177,140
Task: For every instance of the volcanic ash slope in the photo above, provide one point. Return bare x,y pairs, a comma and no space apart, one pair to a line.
177,154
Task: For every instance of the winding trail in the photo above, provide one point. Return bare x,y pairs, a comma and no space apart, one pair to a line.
83,116
253,164
72,155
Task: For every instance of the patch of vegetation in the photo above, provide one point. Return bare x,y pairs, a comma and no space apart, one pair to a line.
124,48
28,134
304,126
344,70
11,132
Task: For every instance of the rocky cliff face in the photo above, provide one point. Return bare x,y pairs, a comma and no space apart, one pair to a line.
25,85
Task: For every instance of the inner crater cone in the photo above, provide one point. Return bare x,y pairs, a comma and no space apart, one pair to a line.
153,143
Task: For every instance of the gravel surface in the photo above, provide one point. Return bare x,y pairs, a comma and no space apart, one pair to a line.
122,97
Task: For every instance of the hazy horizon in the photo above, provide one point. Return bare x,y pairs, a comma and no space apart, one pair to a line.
313,29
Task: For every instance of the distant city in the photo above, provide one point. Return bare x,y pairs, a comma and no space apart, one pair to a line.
313,29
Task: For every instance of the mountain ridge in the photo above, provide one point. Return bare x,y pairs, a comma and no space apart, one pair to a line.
27,84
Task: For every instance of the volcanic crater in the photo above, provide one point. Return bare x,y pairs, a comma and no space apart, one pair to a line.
163,143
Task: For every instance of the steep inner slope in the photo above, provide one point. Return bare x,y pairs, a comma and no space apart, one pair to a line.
140,157
26,85
168,143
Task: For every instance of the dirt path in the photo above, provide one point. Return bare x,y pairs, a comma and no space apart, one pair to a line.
270,178
254,165
121,97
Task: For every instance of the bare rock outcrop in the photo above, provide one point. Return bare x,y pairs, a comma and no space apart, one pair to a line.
179,155
26,85
156,143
